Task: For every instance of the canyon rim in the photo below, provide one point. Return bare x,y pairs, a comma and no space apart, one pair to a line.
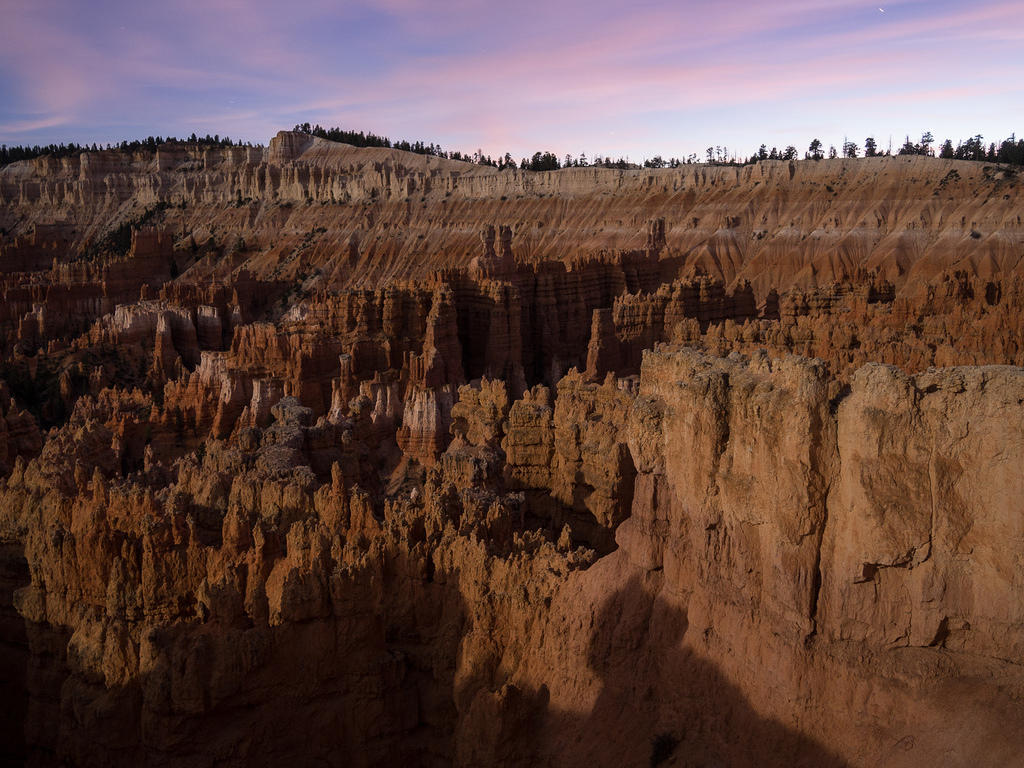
334,455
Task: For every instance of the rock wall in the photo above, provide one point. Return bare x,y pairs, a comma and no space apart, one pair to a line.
312,209
572,496
778,596
805,573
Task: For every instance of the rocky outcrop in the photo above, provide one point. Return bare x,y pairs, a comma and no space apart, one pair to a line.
58,301
632,488
921,520
19,432
741,555
960,322
300,205
491,263
592,471
636,322
478,418
786,548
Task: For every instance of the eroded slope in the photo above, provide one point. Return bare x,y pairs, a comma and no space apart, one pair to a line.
566,493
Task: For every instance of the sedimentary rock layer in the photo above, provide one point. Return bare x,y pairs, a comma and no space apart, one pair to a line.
804,574
688,467
335,215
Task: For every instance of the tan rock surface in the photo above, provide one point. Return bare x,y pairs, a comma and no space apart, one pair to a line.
669,468
304,200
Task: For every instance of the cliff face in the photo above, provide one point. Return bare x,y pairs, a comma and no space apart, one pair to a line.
804,574
809,550
656,500
340,216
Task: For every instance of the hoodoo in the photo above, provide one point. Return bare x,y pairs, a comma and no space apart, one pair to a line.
354,456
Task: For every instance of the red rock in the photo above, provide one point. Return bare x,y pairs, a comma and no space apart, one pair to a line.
340,489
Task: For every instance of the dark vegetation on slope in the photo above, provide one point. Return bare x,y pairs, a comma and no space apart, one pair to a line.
1010,151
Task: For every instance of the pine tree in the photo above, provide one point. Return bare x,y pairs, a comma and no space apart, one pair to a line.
926,143
910,148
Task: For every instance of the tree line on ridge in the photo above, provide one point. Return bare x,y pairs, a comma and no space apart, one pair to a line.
1010,151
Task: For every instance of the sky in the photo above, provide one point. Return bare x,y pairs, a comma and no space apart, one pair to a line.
630,79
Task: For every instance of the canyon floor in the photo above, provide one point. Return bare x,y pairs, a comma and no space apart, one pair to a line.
319,455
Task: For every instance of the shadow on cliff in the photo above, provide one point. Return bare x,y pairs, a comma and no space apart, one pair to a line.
14,655
660,703
369,686
377,687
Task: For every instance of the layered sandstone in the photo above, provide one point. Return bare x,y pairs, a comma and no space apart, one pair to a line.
788,551
312,209
360,457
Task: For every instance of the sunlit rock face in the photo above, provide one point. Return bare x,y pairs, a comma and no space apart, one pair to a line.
317,454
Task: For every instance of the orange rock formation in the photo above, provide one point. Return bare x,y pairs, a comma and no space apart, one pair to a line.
359,457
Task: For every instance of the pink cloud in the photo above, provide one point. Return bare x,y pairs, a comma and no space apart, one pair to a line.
464,71
28,126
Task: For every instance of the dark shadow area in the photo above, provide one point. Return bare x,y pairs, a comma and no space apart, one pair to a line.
368,684
364,675
664,705
14,655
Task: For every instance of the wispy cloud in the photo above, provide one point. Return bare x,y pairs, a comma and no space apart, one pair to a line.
472,73
18,127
